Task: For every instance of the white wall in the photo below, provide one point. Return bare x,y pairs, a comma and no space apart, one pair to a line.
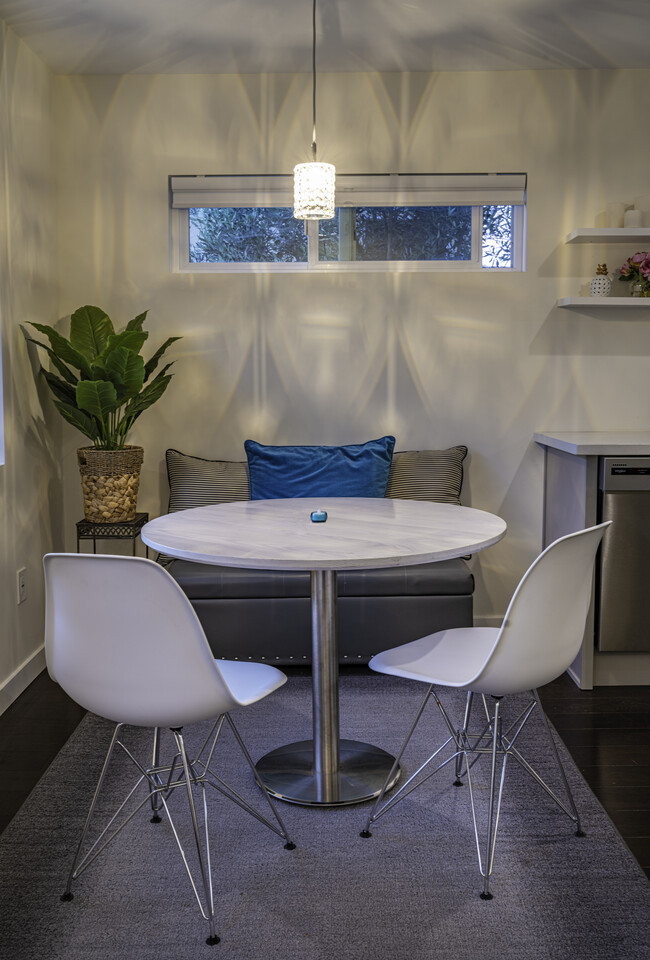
481,359
30,489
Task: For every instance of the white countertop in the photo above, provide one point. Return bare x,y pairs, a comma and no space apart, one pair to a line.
598,443
358,533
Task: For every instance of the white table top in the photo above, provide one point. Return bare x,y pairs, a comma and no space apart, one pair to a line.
598,443
359,533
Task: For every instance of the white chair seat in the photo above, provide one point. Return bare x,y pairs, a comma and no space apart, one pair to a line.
249,681
451,658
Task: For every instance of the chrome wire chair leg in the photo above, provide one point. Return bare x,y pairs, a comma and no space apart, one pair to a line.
496,741
204,863
569,808
493,818
373,813
155,763
217,783
459,759
410,784
289,845
560,766
67,895
161,781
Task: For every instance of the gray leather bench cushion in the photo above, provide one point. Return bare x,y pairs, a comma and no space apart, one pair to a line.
279,631
201,581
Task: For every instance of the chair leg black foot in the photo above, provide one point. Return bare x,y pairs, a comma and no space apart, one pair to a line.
458,783
486,896
156,819
290,845
211,941
365,833
580,832
67,897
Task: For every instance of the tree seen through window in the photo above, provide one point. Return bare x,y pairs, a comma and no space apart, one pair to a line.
246,235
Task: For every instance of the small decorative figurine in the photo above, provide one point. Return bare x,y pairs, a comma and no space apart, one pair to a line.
601,285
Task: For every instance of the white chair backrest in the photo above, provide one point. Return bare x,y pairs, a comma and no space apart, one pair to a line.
544,624
123,640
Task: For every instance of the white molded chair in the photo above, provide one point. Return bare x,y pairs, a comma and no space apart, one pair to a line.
122,639
540,637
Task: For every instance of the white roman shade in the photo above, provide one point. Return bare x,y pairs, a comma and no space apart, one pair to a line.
380,190
246,191
431,190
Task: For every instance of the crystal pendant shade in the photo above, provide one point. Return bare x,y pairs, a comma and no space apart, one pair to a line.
313,191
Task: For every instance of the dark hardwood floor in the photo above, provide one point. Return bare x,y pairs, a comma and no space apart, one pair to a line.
32,731
607,731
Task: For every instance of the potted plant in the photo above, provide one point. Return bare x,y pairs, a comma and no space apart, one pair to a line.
102,388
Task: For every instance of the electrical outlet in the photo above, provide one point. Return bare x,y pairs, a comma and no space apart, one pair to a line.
21,585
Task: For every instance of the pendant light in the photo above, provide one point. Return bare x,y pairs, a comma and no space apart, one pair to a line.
313,182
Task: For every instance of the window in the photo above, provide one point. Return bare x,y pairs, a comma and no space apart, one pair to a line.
416,222
246,235
388,234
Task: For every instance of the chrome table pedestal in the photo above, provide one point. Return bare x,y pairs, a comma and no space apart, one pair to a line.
325,771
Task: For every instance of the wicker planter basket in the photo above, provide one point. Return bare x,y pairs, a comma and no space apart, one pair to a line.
109,480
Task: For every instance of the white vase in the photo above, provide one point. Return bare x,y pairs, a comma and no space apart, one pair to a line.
633,218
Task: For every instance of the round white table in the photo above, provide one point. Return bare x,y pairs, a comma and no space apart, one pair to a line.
358,533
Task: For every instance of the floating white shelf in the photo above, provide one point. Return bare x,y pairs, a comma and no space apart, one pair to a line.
604,302
608,235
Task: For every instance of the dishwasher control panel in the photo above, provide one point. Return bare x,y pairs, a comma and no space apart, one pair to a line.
625,473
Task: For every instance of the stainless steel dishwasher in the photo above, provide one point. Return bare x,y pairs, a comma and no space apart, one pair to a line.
623,618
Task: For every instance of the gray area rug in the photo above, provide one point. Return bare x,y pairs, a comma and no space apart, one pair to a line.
410,892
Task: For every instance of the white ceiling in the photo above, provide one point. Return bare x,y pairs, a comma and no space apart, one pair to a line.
256,36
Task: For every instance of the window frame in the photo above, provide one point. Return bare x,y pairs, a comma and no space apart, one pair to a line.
474,190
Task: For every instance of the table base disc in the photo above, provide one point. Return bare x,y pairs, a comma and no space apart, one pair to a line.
288,773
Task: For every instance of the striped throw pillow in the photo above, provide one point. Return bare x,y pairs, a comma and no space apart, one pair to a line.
195,482
427,475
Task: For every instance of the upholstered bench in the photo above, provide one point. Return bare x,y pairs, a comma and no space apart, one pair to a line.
265,615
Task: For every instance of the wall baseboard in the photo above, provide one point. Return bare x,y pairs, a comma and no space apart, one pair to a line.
21,678
577,679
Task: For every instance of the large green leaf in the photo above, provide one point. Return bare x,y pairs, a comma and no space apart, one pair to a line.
136,323
131,339
63,349
152,392
65,372
78,419
90,329
61,390
152,363
161,373
98,397
126,370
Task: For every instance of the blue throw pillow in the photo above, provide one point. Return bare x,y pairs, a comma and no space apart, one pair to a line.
356,470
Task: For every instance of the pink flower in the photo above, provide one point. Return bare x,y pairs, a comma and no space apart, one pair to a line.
626,270
635,266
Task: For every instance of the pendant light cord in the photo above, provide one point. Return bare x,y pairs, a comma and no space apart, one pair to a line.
313,74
